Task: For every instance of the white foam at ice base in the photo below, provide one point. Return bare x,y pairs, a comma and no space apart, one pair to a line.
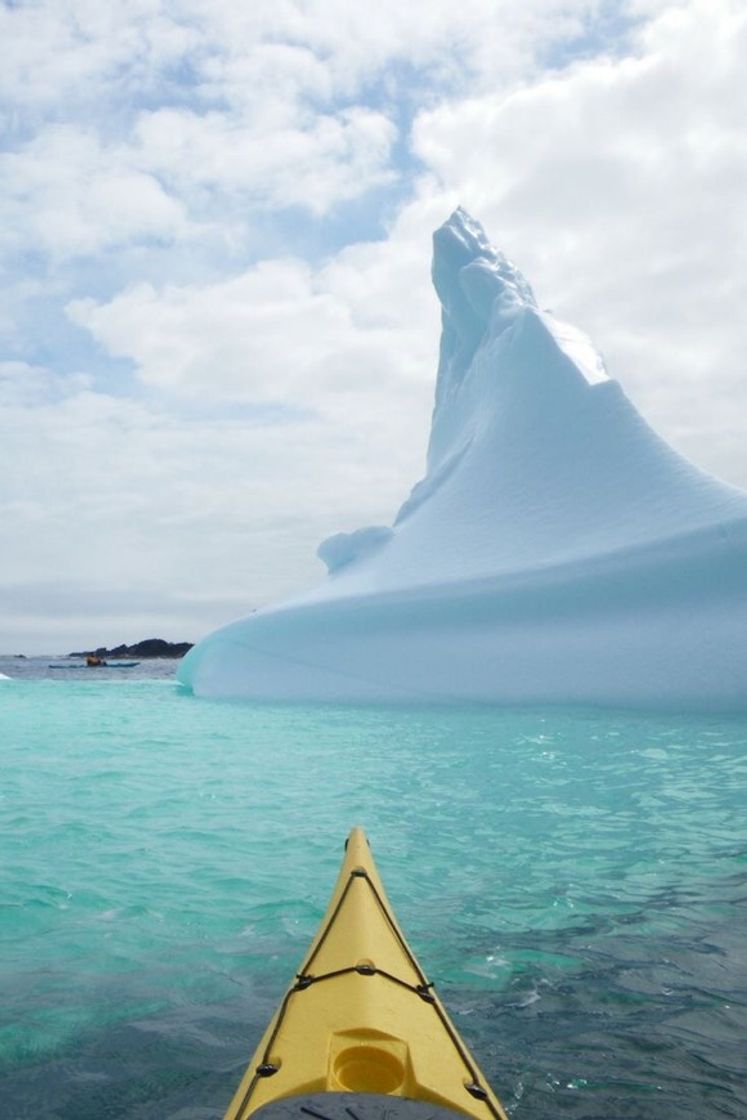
556,550
4,677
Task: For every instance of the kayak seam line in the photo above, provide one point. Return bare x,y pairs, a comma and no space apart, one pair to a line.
395,930
278,1023
323,936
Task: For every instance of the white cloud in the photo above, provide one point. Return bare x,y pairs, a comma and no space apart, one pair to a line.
64,56
119,512
279,332
282,105
336,157
24,385
485,40
66,193
617,184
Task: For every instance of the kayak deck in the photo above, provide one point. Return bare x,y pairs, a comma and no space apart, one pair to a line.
361,1018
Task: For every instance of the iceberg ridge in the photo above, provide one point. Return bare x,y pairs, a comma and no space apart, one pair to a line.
557,550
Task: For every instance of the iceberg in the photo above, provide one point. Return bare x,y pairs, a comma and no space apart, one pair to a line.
557,550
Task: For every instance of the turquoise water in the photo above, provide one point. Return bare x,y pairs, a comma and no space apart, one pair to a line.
575,882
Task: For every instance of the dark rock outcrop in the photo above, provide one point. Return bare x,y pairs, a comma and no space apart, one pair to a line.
150,647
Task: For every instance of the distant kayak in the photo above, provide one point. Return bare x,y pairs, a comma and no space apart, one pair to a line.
100,665
360,1033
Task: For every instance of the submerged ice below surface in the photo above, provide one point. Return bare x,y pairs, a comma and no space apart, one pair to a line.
556,549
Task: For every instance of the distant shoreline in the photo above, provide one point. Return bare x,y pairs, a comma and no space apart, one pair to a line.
150,647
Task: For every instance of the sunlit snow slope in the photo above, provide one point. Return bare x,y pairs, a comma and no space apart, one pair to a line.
556,550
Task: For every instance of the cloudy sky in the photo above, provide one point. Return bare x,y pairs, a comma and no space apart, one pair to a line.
219,337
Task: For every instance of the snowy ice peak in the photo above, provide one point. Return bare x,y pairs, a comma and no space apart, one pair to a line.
536,458
556,550
485,303
475,284
468,272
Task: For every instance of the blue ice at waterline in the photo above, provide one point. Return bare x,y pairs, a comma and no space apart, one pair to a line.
557,549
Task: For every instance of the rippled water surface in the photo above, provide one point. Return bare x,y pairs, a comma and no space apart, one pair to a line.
574,881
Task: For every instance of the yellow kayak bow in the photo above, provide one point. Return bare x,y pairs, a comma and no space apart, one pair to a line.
361,1035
